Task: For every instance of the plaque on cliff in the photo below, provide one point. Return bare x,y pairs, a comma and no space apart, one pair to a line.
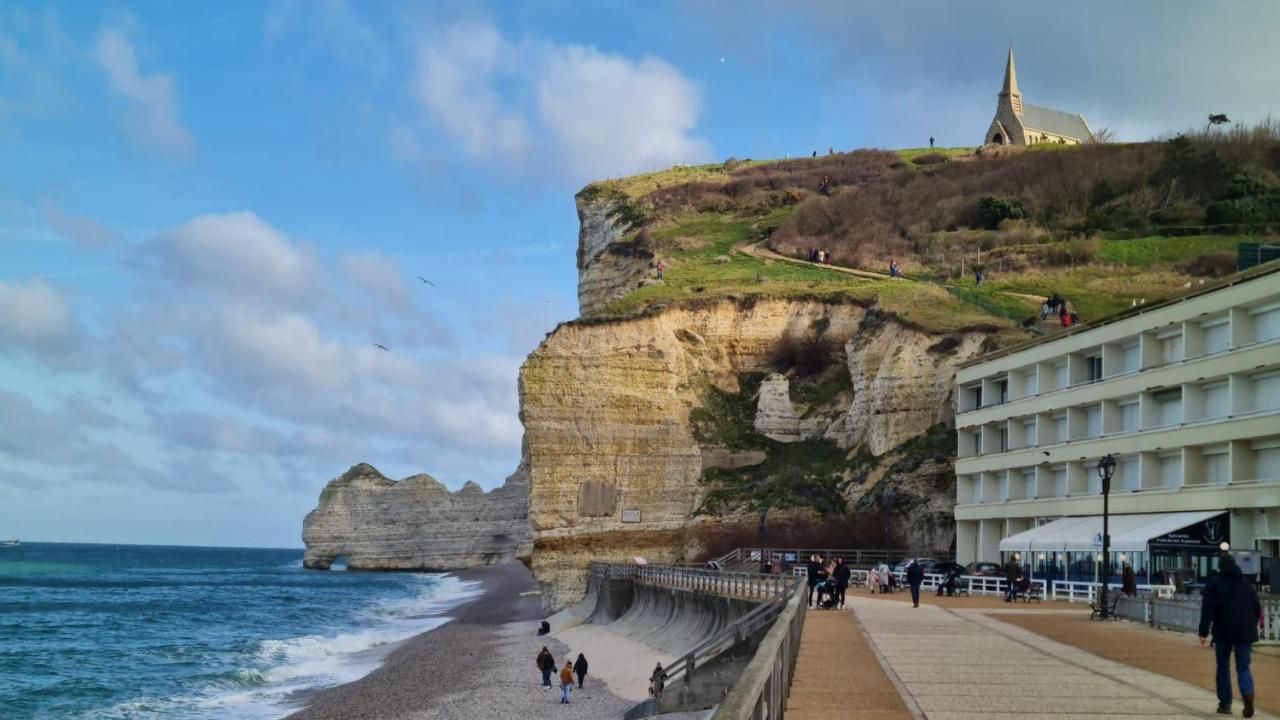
629,516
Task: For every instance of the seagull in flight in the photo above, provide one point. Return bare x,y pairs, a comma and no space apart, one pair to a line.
428,282
381,347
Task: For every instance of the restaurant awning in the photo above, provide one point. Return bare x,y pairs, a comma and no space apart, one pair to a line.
1129,533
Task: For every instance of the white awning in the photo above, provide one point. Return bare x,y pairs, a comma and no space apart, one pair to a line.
1129,533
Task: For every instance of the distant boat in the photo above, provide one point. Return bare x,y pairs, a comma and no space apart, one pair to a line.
10,543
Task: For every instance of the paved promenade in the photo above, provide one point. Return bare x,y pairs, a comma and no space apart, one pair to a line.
838,676
966,664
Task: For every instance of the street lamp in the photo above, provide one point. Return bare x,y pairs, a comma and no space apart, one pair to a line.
1106,468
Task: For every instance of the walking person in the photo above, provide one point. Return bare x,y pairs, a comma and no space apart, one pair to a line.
978,277
1231,611
566,682
915,576
580,669
661,266
1128,581
547,664
885,577
657,680
841,576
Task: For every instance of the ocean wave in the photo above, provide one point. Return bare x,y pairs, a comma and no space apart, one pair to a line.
277,671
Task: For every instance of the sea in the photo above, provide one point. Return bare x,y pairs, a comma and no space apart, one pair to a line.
133,632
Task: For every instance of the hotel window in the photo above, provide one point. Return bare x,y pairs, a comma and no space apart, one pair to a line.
1132,354
977,441
1170,470
1060,480
1266,323
1028,482
1033,382
1170,405
1170,349
1003,387
1266,391
1217,337
1267,459
1129,416
1060,428
1093,421
1029,432
1216,466
1216,400
1004,439
1060,377
1093,368
1127,473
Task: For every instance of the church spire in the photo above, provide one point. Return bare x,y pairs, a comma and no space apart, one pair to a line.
1010,89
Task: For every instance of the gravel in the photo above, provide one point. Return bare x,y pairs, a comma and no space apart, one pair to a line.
479,665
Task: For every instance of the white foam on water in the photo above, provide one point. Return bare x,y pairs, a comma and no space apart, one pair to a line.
283,669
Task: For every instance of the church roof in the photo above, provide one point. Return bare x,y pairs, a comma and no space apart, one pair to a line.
1053,121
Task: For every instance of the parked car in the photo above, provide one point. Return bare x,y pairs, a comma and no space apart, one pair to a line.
943,567
924,562
984,569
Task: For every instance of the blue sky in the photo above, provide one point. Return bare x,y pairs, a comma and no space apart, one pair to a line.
209,212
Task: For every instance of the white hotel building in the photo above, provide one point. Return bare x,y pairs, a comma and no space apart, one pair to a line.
1185,394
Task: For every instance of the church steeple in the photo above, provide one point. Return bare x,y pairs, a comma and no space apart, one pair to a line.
1010,89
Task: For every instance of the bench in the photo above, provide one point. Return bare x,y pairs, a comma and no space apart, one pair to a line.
1095,609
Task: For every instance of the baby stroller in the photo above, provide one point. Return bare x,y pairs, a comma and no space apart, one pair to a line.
827,594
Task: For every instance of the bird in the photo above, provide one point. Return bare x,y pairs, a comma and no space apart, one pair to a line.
428,282
381,347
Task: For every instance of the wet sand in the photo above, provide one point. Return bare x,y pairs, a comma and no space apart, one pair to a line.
478,665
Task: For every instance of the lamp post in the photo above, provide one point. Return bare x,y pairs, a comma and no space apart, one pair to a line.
1106,468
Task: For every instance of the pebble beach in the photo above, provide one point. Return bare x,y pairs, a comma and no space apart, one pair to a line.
478,665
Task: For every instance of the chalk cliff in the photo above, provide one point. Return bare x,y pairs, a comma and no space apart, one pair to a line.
624,417
415,524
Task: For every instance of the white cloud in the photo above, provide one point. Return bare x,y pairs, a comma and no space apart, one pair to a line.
34,316
378,274
81,230
454,84
577,111
237,254
151,114
613,115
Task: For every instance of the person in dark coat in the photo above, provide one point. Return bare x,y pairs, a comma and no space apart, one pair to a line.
544,628
1128,581
1231,611
1012,572
841,577
812,570
547,664
580,669
915,576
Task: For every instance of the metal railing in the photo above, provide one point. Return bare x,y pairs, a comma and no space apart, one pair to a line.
721,582
1080,591
762,689
852,556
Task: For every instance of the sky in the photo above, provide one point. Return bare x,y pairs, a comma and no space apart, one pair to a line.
211,212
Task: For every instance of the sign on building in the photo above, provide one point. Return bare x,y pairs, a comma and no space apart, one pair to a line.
630,516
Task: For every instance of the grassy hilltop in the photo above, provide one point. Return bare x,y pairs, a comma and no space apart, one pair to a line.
1104,226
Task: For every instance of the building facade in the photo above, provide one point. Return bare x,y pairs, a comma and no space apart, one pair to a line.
1019,123
1184,394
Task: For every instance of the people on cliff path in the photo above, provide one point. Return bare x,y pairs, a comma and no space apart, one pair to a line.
661,268
566,682
915,576
811,574
580,669
657,681
547,664
978,277
841,576
1231,612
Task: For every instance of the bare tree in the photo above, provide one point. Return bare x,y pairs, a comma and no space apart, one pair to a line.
1104,135
1216,119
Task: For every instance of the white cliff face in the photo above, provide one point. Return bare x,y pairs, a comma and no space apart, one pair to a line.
607,268
608,411
776,416
415,524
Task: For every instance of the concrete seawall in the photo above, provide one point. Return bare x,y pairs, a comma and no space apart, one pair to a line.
625,627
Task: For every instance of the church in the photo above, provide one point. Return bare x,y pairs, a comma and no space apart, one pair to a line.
1019,123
